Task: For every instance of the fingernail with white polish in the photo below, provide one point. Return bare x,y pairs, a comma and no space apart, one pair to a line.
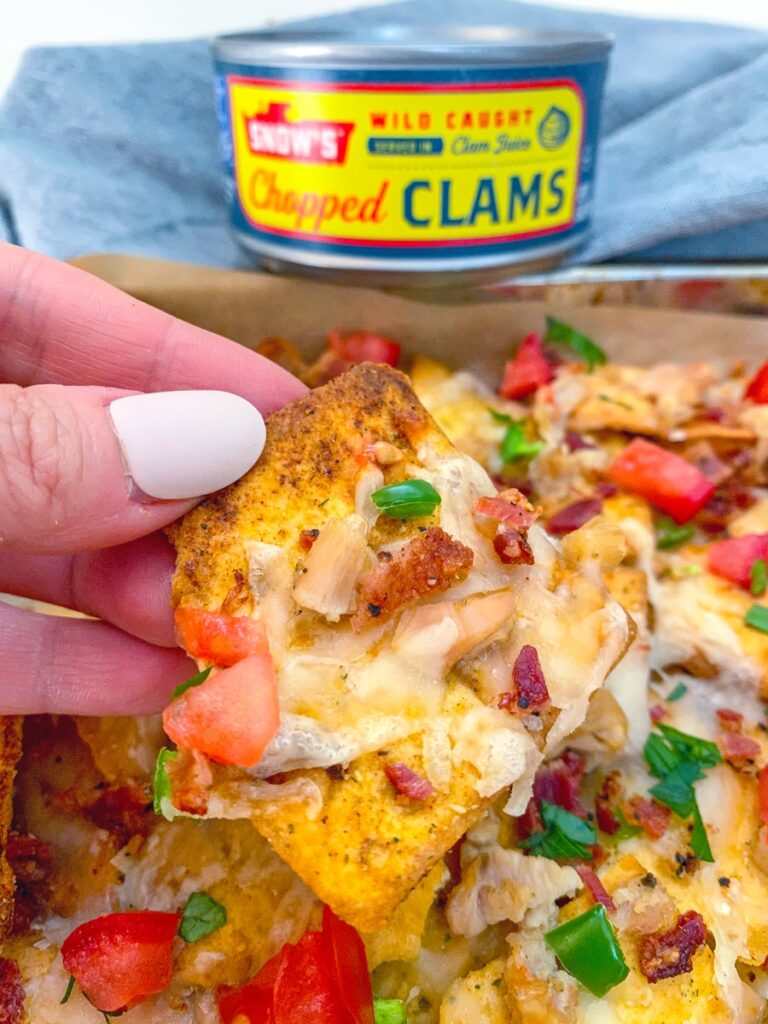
183,444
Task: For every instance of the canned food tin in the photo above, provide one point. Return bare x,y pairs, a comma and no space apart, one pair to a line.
393,159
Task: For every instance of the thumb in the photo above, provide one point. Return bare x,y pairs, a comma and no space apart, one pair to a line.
86,468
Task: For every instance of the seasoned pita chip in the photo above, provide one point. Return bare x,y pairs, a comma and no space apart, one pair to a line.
393,641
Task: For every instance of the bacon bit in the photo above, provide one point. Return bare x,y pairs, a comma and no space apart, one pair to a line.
11,992
576,442
595,886
605,489
509,507
730,721
191,779
409,783
429,564
703,456
123,812
307,538
738,748
718,512
559,784
609,797
714,415
529,691
668,954
762,794
512,548
573,516
650,815
30,860
517,483
657,713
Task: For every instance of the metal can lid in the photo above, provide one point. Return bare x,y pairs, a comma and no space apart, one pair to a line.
396,45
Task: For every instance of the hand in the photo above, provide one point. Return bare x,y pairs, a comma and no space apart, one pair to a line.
85,485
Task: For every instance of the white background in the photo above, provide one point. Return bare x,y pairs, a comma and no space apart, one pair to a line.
26,23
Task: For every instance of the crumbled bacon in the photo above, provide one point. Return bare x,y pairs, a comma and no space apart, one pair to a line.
573,516
730,721
11,992
735,747
191,779
668,954
558,783
30,860
507,519
729,498
409,783
609,797
576,442
703,456
605,489
595,886
429,564
650,815
512,548
657,713
307,538
124,811
529,687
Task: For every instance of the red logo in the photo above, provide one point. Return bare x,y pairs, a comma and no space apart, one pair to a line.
303,142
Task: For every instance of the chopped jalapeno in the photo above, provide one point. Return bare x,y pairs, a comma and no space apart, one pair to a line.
579,343
669,535
588,949
514,445
758,577
409,499
757,618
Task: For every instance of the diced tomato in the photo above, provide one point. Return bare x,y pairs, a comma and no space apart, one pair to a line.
217,637
364,347
231,716
527,371
322,979
349,968
757,389
734,557
762,794
510,508
120,959
663,478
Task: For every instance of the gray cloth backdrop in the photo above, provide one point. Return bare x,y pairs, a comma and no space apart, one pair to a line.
114,148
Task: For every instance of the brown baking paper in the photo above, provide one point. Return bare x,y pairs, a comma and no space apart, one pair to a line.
250,306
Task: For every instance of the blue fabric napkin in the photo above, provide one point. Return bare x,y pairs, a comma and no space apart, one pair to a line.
114,148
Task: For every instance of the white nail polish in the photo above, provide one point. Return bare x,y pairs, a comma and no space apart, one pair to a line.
184,444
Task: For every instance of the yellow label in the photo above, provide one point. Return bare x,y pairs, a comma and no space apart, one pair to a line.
403,167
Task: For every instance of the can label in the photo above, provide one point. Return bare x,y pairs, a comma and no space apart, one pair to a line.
404,168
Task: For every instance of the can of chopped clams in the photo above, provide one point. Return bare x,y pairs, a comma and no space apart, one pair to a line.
451,156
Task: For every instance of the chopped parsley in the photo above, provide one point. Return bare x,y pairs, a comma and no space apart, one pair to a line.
565,836
70,989
188,684
758,576
579,343
679,691
202,916
679,760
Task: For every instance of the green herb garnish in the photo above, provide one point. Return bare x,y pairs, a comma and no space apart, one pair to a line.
679,691
579,343
565,835
757,618
669,535
195,680
514,445
162,791
625,829
758,577
409,499
69,991
588,949
389,1011
678,760
202,915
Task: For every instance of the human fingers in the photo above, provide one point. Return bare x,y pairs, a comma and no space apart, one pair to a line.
60,325
128,585
67,666
83,468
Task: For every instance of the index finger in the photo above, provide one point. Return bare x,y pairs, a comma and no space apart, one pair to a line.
60,325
